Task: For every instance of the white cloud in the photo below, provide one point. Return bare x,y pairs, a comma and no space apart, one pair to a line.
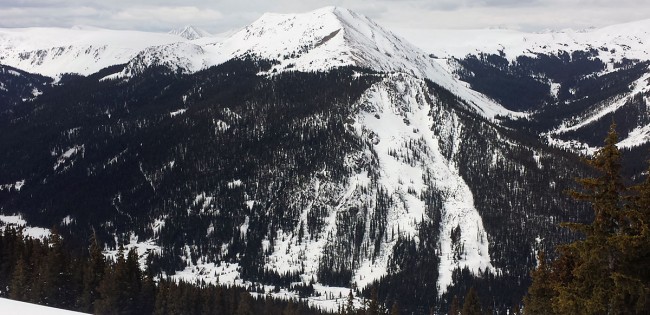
167,14
222,15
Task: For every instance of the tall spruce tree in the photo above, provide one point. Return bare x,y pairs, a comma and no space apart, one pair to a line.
19,287
541,292
54,274
631,291
131,279
589,289
608,271
472,304
245,306
93,274
454,308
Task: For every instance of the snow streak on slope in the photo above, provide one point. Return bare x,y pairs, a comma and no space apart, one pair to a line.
641,86
402,161
401,116
636,137
17,222
406,162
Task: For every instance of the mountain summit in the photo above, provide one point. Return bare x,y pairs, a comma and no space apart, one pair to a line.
318,40
190,32
326,38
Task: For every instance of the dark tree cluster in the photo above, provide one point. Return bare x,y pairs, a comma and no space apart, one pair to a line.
607,271
210,153
524,84
46,272
18,87
132,162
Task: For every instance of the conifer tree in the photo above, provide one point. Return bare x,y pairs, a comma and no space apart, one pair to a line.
160,306
147,296
373,305
245,306
631,291
93,273
53,273
394,310
108,290
590,286
111,288
131,281
454,308
607,272
471,305
19,286
349,307
541,292
173,298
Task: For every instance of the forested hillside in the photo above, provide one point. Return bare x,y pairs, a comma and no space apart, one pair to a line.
314,161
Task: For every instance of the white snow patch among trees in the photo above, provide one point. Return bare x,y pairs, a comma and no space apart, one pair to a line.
17,221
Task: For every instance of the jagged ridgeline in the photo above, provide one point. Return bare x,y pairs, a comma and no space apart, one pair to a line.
293,176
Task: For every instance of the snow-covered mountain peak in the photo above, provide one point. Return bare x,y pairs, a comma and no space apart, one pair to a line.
325,38
190,32
318,40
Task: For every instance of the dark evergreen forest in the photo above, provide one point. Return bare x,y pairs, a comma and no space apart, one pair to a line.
212,150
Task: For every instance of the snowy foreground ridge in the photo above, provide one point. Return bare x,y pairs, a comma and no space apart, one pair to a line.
15,307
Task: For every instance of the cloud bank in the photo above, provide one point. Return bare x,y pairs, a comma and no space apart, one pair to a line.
219,16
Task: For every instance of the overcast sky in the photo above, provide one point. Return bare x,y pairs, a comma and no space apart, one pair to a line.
219,16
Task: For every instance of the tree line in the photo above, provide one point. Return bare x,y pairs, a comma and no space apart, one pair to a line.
46,272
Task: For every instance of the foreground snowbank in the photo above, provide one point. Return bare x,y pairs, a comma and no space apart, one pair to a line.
15,307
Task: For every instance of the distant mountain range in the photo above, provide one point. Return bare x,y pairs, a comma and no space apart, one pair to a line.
319,149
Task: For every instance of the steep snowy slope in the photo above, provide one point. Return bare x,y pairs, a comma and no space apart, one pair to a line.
83,50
